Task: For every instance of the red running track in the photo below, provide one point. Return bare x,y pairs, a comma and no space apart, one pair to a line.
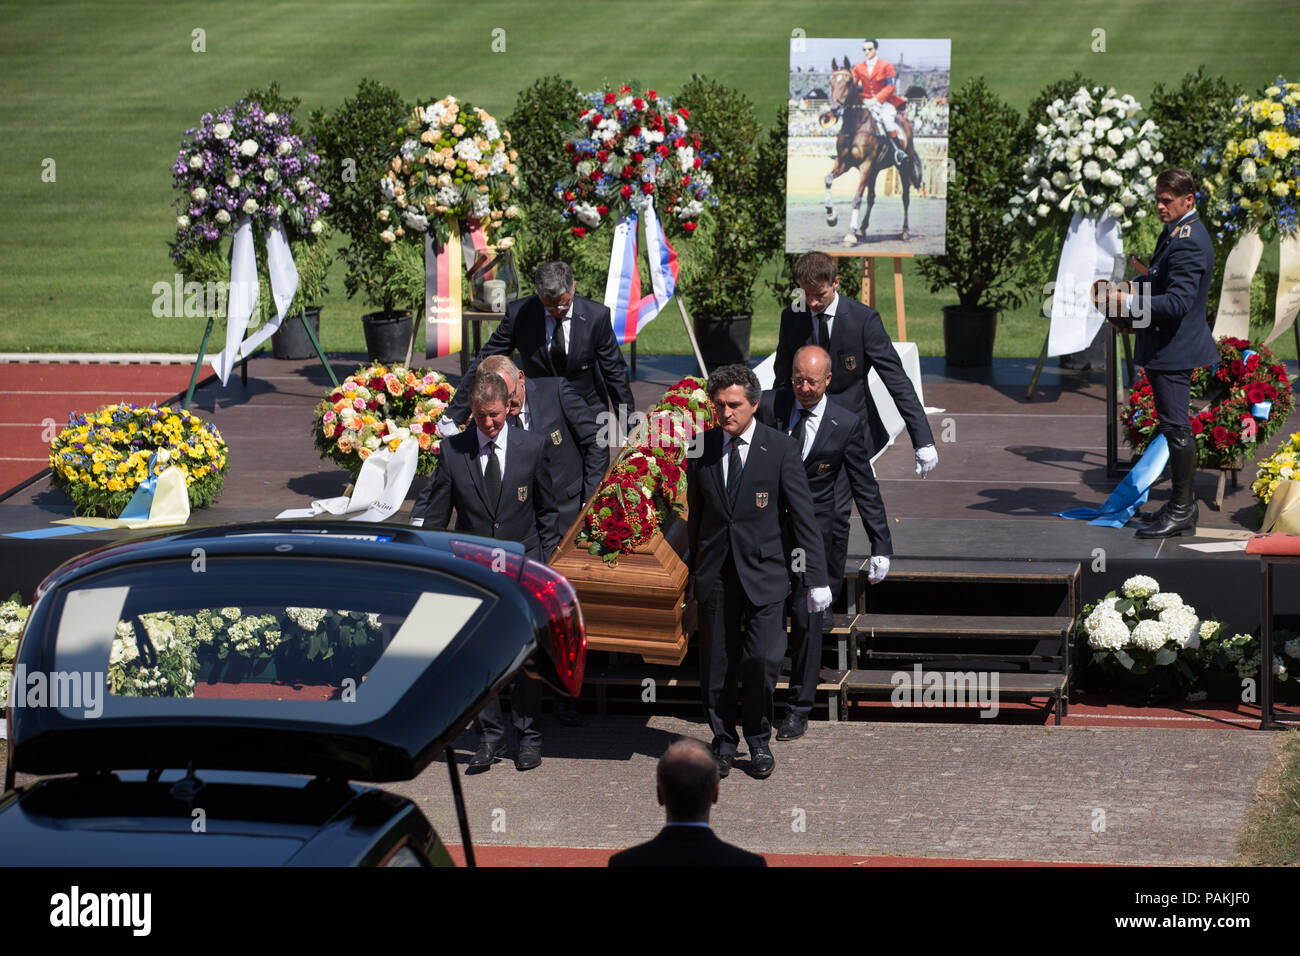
41,397
494,856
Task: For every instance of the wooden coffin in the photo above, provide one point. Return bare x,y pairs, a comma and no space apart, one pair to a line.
639,606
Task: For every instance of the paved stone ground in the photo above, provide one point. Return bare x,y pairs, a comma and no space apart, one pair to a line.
965,791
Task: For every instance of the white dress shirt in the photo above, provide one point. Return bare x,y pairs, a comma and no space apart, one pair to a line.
483,441
810,430
829,312
567,325
748,436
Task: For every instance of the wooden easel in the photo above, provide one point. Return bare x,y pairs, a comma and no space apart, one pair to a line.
868,294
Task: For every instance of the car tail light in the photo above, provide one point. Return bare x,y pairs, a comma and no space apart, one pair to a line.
564,613
555,594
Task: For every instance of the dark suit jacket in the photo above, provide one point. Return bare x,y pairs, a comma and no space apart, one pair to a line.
686,846
526,510
594,365
1178,336
575,459
859,343
840,444
772,483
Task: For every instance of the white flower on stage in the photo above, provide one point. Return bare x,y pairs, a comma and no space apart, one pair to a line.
1072,154
182,222
301,186
1098,200
1042,210
1109,634
1182,626
408,149
248,147
270,175
1145,150
196,161
481,207
586,214
512,212
1249,173
468,150
1115,137
1140,586
1150,635
415,220
232,180
1115,210
317,227
272,119
199,194
1111,178
1092,170
283,148
447,196
222,130
1292,648
1164,600
250,205
222,217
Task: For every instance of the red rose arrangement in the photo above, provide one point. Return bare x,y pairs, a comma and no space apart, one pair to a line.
630,150
1249,397
641,494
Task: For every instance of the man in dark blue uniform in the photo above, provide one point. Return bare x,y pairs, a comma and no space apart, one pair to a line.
1167,310
833,445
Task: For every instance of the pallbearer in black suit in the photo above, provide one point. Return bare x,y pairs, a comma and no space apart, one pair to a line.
551,408
833,445
738,492
559,334
496,480
856,339
687,786
1167,309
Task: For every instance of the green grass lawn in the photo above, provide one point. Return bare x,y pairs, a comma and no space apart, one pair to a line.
107,91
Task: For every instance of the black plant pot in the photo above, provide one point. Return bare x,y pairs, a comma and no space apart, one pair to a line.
292,340
724,341
388,334
968,336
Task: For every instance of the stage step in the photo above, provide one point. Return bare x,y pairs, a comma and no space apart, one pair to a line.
947,615
874,683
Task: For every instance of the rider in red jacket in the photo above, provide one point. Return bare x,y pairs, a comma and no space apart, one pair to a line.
876,78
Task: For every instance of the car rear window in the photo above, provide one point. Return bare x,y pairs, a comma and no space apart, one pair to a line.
247,634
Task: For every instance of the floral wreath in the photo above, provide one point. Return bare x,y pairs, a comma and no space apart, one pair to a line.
642,493
1249,400
629,149
1090,154
454,167
1253,181
378,407
99,460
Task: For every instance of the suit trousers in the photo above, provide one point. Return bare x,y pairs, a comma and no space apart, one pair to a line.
1172,393
525,702
805,650
743,645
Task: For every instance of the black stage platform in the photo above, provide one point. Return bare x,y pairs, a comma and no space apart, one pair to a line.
1009,466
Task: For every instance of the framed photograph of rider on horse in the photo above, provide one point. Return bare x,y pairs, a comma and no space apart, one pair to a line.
868,146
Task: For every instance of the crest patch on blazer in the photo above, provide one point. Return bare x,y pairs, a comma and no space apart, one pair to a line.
1183,232
823,468
760,499
523,492
556,437
850,362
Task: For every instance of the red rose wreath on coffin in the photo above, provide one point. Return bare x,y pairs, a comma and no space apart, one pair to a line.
1249,400
639,497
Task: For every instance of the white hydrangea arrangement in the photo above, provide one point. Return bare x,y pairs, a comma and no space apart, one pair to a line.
1142,628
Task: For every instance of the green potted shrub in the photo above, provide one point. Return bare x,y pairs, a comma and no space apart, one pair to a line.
356,143
745,229
981,257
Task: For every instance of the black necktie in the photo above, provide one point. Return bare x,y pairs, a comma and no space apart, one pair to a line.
515,422
559,360
492,476
733,469
824,332
800,429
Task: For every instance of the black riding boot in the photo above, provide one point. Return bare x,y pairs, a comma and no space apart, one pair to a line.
1179,516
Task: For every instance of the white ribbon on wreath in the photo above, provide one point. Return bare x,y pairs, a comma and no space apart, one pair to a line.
244,292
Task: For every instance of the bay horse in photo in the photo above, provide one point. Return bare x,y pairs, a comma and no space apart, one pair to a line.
863,143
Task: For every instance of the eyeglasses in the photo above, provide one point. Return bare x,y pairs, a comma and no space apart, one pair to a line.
806,382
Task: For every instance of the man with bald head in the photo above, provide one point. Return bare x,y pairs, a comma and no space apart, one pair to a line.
687,787
833,444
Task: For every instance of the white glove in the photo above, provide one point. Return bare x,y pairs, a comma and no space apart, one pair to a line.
447,428
819,599
879,568
926,459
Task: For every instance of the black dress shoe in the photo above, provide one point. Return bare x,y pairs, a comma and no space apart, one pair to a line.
530,756
566,712
793,726
761,763
1176,521
724,763
486,755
